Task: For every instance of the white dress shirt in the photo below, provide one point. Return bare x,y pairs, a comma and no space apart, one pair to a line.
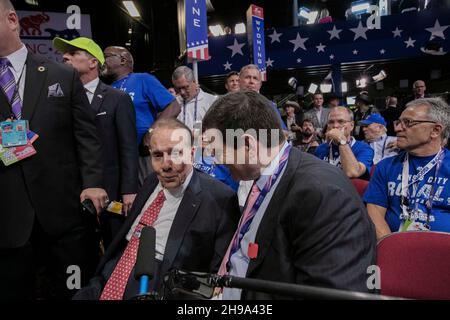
19,68
163,223
380,149
203,100
90,88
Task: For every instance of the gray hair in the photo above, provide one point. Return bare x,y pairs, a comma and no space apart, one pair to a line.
249,66
438,110
350,112
183,71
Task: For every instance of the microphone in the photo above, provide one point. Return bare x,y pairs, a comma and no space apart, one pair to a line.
144,269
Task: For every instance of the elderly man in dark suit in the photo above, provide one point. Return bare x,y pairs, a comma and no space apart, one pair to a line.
194,216
42,228
116,123
303,221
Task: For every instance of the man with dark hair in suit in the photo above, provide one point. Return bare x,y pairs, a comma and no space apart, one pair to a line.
116,123
194,216
43,230
303,221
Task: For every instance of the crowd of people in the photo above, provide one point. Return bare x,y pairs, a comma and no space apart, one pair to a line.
276,201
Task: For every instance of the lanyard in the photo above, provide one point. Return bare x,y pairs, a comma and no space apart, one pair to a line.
337,161
124,81
405,202
195,109
244,224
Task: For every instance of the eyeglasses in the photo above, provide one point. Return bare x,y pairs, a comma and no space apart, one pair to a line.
339,122
408,123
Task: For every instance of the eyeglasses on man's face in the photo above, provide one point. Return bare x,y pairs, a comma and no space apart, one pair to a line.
408,123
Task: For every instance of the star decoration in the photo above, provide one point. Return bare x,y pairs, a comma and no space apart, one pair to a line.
236,48
227,66
320,48
334,33
355,52
298,42
332,57
382,51
437,30
269,63
299,60
409,42
360,31
275,37
397,32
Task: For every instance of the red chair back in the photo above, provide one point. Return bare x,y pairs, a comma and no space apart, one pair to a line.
360,185
415,264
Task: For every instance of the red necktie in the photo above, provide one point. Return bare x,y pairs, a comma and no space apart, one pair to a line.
115,287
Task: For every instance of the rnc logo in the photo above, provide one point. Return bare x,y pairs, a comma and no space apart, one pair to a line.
74,21
74,280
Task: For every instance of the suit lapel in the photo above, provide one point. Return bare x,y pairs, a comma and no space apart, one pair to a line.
270,221
99,96
186,212
5,109
35,79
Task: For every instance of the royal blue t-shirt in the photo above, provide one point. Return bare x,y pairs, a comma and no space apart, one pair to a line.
385,189
149,98
362,151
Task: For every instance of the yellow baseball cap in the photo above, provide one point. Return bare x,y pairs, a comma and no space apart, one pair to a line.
82,43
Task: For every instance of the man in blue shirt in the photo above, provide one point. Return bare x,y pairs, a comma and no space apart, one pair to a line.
411,191
341,149
151,100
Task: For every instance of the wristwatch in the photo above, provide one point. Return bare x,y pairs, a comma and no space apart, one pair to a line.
343,142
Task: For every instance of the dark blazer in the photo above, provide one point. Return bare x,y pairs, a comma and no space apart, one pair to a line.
47,186
315,231
116,123
199,237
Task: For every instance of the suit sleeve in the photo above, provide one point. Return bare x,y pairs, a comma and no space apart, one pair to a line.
86,136
333,240
128,153
227,225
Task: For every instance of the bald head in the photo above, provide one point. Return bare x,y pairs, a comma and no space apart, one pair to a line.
9,29
119,62
6,5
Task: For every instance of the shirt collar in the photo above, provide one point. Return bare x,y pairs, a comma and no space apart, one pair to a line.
384,136
271,168
92,85
18,59
178,192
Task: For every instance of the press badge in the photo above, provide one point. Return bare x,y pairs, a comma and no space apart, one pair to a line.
410,225
14,133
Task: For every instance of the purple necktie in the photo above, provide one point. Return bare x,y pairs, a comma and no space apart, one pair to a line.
9,87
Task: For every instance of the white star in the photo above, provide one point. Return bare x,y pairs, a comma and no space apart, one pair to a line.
397,32
320,48
298,42
236,48
299,60
198,43
334,33
275,37
437,30
382,51
409,42
360,31
332,57
269,63
355,52
227,66
202,42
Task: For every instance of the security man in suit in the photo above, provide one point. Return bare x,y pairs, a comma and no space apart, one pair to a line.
43,230
194,216
116,123
303,221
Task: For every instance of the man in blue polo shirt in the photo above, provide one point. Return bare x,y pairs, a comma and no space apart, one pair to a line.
151,100
411,191
341,149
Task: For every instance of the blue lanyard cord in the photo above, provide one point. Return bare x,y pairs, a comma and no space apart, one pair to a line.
195,109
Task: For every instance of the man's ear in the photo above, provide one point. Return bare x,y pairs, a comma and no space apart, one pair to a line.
437,131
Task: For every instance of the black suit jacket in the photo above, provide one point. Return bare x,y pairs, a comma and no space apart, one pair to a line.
47,186
315,231
116,123
199,237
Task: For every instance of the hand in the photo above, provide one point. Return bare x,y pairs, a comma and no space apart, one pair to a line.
98,196
127,200
335,135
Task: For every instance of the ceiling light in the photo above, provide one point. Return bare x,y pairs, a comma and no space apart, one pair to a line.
131,8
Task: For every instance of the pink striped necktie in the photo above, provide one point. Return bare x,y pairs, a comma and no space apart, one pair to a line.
117,282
